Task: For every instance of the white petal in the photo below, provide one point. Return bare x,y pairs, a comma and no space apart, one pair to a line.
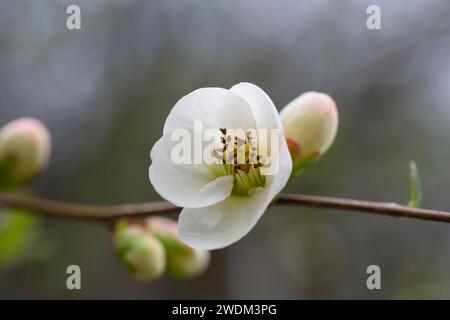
216,107
280,179
263,109
224,223
186,185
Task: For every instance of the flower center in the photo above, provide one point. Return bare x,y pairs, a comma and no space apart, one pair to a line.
241,160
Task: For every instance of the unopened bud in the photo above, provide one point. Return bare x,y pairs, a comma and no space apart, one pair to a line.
310,125
182,261
140,252
24,150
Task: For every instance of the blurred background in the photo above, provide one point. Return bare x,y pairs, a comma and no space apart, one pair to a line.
104,92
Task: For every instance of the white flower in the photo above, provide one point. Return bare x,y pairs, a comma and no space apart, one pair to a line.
221,202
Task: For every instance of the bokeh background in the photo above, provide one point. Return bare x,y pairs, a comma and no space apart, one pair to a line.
104,92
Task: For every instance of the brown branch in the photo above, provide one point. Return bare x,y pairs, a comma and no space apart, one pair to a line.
384,208
111,213
85,212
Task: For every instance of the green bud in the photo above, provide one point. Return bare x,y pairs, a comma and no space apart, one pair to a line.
25,146
140,252
183,262
310,125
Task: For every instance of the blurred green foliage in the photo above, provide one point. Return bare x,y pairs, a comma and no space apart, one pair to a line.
18,230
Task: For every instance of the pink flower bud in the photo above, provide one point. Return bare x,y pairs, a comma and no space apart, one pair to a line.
139,251
182,260
25,146
310,125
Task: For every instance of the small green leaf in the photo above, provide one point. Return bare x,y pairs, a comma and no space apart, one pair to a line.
415,186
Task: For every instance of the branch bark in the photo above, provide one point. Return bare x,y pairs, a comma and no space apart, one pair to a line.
85,212
111,213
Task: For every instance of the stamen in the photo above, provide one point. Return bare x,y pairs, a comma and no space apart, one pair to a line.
247,175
